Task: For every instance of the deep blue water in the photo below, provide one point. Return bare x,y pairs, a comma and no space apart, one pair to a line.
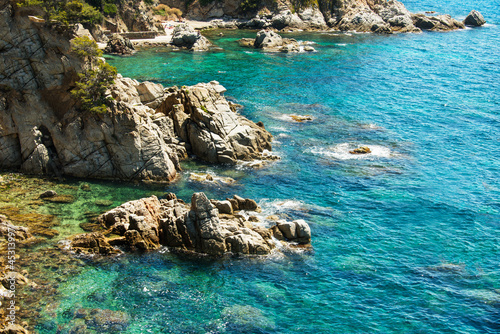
406,240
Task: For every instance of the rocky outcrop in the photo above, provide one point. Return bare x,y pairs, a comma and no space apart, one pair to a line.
474,19
436,23
204,226
379,16
144,134
208,123
185,36
119,45
272,42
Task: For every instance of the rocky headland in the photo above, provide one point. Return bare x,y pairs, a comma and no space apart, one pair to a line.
205,226
143,134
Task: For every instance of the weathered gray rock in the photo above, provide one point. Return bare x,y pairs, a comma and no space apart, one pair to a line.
223,206
436,23
272,42
80,31
285,18
148,223
312,18
119,45
185,36
205,120
267,39
474,19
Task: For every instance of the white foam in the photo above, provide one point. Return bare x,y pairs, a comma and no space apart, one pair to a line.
341,152
279,129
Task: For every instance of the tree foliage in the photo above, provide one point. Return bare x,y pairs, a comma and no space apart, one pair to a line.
66,11
94,81
91,88
85,48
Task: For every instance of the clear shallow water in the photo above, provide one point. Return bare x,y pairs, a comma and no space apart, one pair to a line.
407,239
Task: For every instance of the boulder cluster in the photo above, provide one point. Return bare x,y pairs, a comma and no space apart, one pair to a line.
205,226
379,16
271,41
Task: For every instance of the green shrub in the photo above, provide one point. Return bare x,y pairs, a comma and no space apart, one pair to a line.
85,48
167,12
90,89
29,3
249,5
148,2
66,11
110,9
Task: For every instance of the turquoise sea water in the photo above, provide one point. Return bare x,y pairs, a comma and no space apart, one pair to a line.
406,240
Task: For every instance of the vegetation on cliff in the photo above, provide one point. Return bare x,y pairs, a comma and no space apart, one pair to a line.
65,11
96,78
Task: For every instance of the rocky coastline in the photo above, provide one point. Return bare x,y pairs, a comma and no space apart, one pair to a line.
205,226
148,130
144,134
378,16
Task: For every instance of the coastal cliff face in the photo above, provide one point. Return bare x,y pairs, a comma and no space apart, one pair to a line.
41,131
380,16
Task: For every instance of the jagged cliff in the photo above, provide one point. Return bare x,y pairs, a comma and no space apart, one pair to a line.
143,135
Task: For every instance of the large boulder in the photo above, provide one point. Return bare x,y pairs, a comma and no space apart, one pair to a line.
267,39
474,19
270,41
119,45
185,36
148,223
206,121
436,23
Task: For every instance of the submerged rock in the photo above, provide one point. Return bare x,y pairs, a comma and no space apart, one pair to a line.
8,230
59,198
301,118
204,226
474,19
361,150
48,193
246,319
